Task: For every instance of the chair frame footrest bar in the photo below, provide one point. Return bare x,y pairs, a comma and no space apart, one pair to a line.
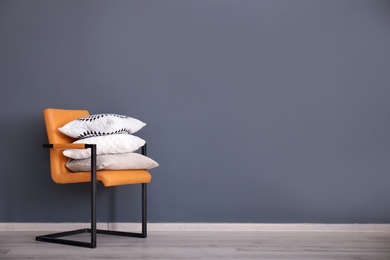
56,237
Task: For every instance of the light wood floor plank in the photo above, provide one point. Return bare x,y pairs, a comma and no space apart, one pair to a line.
208,245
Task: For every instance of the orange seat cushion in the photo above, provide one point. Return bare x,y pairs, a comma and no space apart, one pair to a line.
108,178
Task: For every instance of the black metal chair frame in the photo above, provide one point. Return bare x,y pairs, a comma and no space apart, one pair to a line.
57,237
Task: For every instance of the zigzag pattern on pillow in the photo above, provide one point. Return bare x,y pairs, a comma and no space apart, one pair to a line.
91,118
98,133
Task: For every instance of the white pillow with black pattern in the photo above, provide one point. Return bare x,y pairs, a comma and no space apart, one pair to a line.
108,144
100,125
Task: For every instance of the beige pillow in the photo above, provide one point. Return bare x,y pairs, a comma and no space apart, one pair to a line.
125,161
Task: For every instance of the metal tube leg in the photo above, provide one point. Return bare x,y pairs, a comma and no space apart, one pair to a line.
93,196
144,201
144,211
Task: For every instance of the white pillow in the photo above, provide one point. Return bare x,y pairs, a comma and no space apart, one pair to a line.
108,144
101,124
124,161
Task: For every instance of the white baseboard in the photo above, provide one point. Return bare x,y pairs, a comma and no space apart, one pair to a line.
152,227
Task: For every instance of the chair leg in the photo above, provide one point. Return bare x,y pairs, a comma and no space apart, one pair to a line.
144,200
93,196
56,237
144,211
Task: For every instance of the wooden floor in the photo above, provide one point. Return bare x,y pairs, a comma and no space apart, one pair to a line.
208,245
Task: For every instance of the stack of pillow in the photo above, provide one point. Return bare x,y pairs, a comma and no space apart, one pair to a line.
116,145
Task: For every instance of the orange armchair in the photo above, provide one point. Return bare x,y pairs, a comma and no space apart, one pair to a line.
55,118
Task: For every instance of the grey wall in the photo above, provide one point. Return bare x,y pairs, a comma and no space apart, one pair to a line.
267,111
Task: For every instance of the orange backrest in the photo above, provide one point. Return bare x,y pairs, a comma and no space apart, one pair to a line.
55,118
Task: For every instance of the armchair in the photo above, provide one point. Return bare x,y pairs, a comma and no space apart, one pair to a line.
55,118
